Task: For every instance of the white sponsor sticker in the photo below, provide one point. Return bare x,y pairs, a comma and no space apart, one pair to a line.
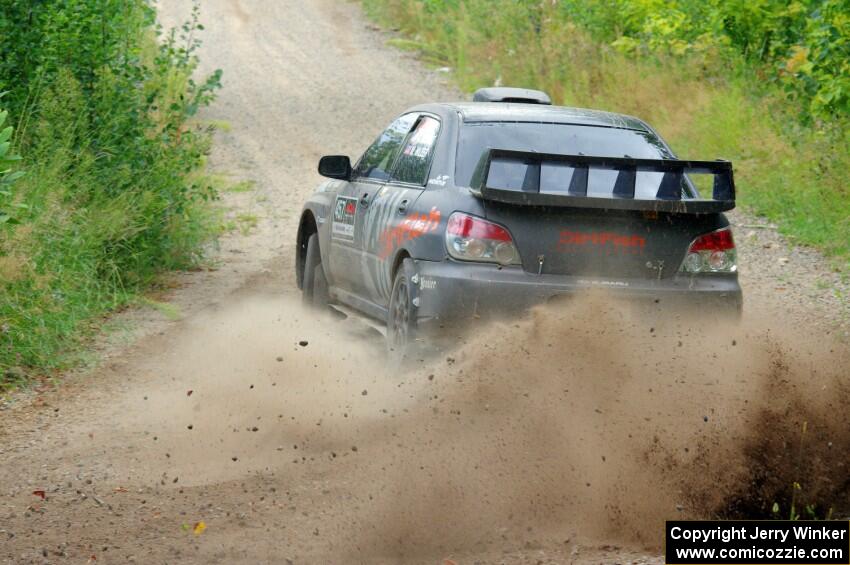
440,180
345,212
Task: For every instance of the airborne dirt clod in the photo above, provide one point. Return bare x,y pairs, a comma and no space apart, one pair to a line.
569,435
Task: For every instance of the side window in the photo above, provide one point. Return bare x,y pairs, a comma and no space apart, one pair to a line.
377,160
415,158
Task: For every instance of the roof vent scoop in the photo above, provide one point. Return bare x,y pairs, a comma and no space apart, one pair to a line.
516,95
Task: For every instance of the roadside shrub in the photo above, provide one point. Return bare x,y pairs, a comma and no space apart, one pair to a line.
114,191
8,208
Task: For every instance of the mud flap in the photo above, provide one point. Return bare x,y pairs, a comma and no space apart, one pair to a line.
410,270
414,349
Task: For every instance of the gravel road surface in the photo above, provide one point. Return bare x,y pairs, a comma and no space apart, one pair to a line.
246,431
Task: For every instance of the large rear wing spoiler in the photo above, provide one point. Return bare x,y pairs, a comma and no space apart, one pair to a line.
540,179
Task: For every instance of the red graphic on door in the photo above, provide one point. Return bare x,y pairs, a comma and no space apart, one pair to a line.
413,226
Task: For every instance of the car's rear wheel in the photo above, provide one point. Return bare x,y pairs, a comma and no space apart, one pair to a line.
314,285
401,317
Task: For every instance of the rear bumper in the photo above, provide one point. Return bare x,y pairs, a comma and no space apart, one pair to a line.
451,291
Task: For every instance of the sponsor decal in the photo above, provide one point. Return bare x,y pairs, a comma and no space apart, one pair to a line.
609,242
440,180
428,283
345,211
413,226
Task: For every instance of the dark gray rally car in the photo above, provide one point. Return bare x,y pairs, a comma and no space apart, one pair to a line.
464,210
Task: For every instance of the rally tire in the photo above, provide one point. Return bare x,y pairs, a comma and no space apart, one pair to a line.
314,285
320,287
401,315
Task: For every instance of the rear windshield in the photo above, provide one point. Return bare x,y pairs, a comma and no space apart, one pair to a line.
476,138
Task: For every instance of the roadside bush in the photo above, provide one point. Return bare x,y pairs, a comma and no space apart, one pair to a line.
114,191
8,208
803,45
763,83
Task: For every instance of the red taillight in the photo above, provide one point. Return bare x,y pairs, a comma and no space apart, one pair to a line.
711,253
719,240
474,239
463,225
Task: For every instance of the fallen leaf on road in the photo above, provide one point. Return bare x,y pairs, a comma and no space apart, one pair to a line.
120,489
199,528
40,493
189,393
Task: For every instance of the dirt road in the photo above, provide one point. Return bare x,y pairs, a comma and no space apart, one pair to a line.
247,432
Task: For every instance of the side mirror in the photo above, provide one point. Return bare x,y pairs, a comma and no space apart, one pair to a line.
335,167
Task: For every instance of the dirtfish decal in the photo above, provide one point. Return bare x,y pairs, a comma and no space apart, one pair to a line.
345,211
611,243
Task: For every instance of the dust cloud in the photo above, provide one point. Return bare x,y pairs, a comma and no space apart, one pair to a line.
589,418
605,419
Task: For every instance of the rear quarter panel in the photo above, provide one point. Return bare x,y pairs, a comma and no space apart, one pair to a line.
435,206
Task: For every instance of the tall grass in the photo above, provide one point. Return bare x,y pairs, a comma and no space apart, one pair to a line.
791,165
112,190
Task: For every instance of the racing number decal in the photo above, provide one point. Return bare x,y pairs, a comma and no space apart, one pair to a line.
345,212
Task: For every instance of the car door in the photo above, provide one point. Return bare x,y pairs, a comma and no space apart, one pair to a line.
370,173
392,218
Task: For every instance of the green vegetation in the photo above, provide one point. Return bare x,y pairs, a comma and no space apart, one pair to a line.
109,191
763,83
810,511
